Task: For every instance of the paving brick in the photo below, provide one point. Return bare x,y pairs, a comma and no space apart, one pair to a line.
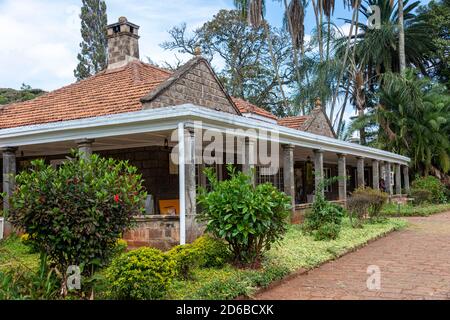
414,265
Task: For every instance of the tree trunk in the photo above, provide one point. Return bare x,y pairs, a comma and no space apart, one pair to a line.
401,38
319,28
347,49
297,68
274,63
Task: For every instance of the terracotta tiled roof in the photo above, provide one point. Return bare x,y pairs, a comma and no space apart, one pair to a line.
293,122
246,107
109,92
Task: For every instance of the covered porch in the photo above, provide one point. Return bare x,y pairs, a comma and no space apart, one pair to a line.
149,140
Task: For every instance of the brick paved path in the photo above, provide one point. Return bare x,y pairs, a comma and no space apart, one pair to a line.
414,264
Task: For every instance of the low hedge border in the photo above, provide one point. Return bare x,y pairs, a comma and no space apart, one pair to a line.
424,210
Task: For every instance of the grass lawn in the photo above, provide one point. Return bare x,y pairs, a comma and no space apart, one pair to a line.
409,210
14,254
297,250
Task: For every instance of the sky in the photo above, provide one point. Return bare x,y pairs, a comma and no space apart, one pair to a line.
40,38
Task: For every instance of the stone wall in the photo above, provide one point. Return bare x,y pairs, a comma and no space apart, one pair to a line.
197,86
162,232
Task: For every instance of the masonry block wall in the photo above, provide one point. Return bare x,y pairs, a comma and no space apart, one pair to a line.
197,86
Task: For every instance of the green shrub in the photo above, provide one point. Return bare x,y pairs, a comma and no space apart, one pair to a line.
187,257
421,196
142,274
323,213
250,219
77,212
432,184
327,231
214,252
375,198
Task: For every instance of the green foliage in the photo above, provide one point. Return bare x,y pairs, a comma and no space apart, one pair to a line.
186,257
422,210
76,213
25,93
23,284
214,252
421,196
142,274
432,184
414,115
325,217
327,231
93,55
250,219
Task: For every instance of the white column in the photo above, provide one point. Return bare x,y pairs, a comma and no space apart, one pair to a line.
249,158
398,179
182,183
406,179
388,178
85,148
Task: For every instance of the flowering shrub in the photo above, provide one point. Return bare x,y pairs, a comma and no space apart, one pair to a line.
77,212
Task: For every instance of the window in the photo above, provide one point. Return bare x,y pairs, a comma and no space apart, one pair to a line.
263,176
327,175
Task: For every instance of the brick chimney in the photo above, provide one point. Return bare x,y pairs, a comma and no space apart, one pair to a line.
123,43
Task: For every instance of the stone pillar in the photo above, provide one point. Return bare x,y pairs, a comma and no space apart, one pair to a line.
288,173
85,148
342,173
318,170
193,228
249,159
9,176
406,179
388,178
398,179
375,174
360,171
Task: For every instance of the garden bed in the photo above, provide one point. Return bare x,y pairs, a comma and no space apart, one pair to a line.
296,251
409,210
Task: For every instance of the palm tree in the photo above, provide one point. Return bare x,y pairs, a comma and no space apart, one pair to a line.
414,115
401,37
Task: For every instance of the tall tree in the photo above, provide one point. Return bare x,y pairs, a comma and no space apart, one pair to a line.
244,53
401,37
93,55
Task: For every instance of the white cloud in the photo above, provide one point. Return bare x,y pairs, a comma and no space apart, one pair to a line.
40,38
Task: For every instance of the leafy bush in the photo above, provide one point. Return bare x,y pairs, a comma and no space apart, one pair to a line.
327,231
323,217
141,274
432,184
77,212
186,257
214,252
421,196
250,219
375,198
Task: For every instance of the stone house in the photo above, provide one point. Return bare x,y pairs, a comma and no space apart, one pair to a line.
133,111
